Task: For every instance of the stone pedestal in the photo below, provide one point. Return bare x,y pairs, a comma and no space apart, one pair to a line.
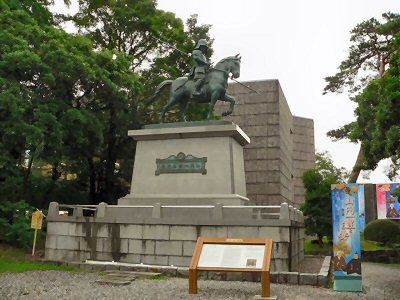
197,163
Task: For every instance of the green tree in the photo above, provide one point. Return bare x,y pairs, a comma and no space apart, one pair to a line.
371,50
24,77
325,166
135,29
68,100
124,28
15,227
53,98
158,43
317,208
377,124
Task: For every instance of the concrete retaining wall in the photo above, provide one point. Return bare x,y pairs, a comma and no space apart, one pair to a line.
153,236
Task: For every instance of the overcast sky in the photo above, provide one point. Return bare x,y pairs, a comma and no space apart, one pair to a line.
297,42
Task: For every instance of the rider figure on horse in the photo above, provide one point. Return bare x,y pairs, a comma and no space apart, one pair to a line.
201,66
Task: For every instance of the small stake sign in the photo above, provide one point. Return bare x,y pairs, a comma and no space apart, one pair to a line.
232,255
37,219
36,223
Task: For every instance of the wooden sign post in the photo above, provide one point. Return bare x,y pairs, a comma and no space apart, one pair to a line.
232,255
37,220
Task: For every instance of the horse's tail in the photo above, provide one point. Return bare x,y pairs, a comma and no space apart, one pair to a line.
160,87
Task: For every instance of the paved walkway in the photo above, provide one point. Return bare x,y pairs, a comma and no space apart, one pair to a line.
380,282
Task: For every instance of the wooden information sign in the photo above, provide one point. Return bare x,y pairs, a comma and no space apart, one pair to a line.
232,255
37,221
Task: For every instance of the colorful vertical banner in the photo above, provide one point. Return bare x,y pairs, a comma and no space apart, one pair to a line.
346,237
361,207
388,206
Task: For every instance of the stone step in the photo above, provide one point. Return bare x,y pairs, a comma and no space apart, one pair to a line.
133,273
116,277
113,281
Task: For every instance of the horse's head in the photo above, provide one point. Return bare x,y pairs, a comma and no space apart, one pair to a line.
230,64
234,66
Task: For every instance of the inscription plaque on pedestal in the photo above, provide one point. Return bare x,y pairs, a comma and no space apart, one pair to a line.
181,163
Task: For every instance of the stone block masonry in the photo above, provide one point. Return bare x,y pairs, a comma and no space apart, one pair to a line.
167,240
282,145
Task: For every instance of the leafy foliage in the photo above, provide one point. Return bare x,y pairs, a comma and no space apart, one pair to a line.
372,56
372,46
317,207
44,75
382,231
378,123
68,100
324,165
15,223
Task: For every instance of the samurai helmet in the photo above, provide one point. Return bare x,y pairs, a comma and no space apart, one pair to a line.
201,42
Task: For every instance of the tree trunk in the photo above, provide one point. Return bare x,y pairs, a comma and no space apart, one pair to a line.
320,241
55,175
357,167
25,190
92,181
111,158
355,173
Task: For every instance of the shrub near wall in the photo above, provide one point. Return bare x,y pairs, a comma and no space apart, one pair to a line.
15,224
382,231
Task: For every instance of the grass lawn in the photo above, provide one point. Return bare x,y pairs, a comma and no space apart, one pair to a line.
13,260
370,245
365,245
386,265
312,248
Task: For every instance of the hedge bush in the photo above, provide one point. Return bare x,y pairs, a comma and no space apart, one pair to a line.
15,224
382,231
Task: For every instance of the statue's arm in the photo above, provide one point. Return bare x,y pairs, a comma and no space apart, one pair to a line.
200,59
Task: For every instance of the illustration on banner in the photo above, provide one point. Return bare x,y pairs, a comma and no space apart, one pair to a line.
346,229
388,205
361,207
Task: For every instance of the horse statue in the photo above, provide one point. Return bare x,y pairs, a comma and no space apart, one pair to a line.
214,89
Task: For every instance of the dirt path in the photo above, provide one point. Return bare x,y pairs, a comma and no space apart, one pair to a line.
381,282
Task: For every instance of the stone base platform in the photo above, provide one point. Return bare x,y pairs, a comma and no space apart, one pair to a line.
320,279
195,163
167,235
183,199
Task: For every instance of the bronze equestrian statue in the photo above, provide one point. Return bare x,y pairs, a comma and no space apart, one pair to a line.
201,66
210,88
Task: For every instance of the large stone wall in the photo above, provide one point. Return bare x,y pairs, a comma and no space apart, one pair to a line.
281,147
303,153
286,149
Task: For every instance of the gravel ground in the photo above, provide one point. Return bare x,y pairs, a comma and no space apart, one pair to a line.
380,282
